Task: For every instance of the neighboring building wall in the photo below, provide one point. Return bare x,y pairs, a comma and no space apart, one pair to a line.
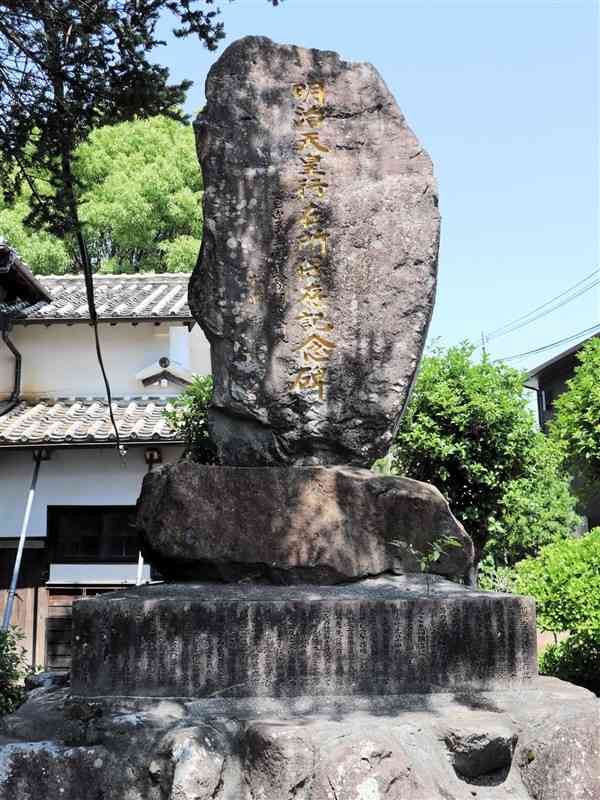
80,477
552,382
60,360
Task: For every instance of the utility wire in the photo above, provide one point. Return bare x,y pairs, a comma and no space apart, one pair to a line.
545,313
572,337
570,294
544,305
89,290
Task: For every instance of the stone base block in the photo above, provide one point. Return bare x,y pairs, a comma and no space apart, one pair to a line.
322,525
383,636
519,744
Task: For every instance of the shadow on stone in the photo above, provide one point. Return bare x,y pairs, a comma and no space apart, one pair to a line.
482,758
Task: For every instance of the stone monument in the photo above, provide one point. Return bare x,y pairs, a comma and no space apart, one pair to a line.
296,651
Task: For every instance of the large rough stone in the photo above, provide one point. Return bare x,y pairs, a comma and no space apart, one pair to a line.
298,524
372,279
547,741
381,636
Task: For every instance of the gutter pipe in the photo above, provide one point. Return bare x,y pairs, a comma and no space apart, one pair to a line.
14,397
15,576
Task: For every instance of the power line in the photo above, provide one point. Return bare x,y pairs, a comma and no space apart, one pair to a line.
567,339
548,307
548,310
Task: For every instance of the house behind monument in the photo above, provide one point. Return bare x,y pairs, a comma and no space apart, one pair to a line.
549,380
52,399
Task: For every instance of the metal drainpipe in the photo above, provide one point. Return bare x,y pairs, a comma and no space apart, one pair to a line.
17,568
14,397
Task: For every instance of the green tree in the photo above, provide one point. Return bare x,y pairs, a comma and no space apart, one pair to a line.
140,203
535,509
469,431
44,253
140,200
576,423
68,67
565,581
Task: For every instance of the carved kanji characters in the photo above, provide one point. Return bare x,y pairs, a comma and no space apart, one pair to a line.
315,240
311,117
313,297
310,216
304,91
311,139
310,378
309,267
315,185
316,348
314,321
311,165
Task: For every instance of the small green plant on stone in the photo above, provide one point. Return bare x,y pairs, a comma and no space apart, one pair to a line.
428,555
13,670
187,416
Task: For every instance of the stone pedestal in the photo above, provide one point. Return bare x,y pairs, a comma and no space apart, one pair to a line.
384,636
322,525
517,744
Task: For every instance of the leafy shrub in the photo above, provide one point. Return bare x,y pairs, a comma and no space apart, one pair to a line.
13,670
575,425
565,582
187,416
535,509
468,430
576,659
494,577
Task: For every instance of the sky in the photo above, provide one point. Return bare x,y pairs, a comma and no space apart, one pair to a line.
504,96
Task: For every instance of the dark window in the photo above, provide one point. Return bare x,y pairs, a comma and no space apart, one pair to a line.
92,534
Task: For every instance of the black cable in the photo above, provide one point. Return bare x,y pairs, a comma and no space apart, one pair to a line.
89,290
545,347
525,318
546,312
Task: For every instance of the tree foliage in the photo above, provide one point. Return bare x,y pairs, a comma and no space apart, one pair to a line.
187,416
139,203
43,252
565,581
576,424
68,67
13,670
140,200
469,431
535,509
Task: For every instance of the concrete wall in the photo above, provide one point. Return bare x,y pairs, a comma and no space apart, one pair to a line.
79,477
60,360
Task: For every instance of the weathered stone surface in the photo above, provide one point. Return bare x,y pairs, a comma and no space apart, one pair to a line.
477,753
381,636
298,524
395,748
374,285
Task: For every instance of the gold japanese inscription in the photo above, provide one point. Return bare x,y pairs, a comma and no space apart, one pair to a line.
313,240
311,139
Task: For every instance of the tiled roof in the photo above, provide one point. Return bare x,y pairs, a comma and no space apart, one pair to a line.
85,420
144,296
19,288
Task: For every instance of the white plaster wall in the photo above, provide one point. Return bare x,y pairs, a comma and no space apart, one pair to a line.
71,477
199,352
60,360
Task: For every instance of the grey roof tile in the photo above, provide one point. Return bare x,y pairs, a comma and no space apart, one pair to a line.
144,296
85,420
